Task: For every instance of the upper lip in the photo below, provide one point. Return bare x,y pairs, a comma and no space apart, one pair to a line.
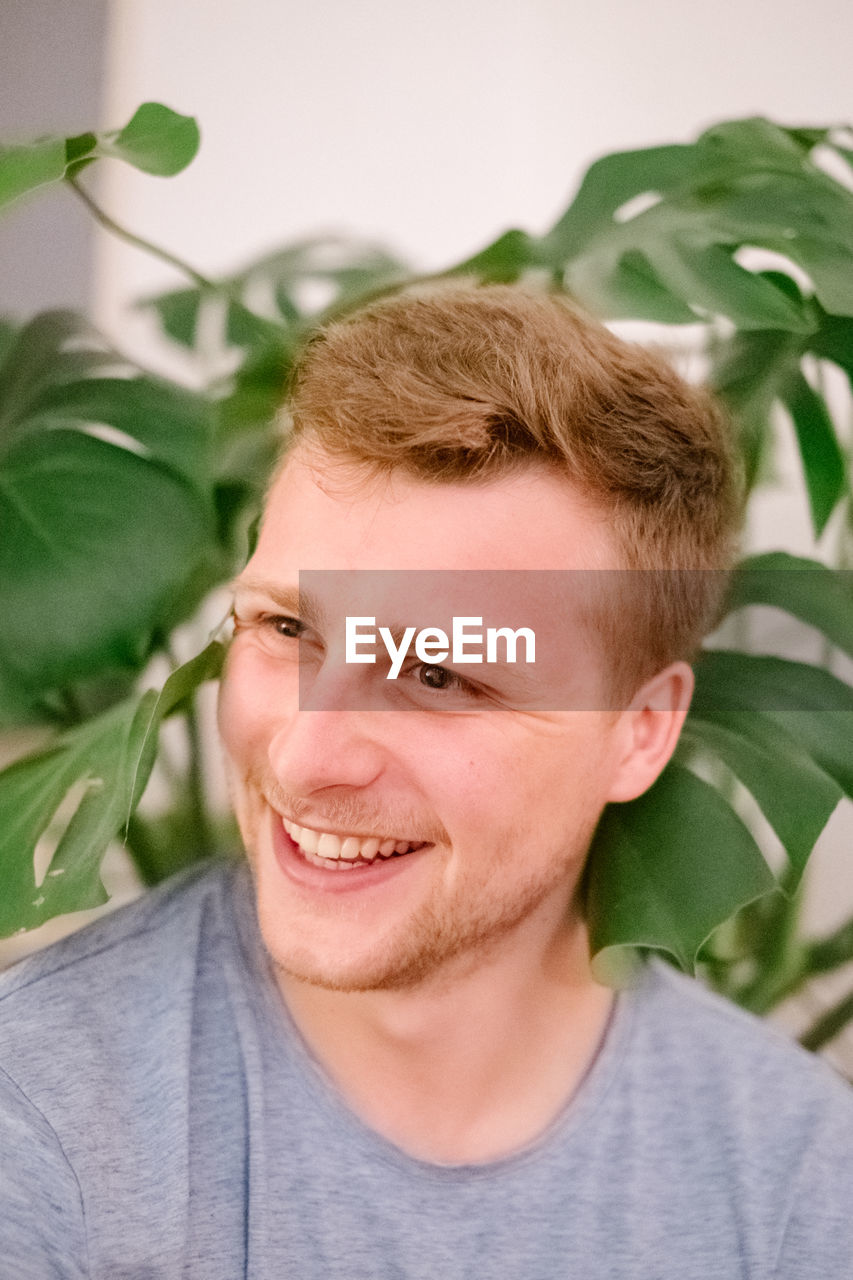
343,834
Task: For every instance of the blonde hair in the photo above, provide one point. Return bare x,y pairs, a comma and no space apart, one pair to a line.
466,383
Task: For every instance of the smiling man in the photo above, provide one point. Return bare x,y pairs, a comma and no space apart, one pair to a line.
445,861
376,1047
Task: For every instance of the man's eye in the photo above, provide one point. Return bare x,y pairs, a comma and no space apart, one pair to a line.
290,628
270,626
436,677
441,678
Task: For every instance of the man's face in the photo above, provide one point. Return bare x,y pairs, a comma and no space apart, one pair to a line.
490,801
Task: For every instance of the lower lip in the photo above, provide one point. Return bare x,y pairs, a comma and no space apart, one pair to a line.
308,876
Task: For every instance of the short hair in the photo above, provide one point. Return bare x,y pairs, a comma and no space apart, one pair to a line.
467,382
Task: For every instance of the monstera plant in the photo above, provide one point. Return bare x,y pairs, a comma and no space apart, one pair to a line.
126,498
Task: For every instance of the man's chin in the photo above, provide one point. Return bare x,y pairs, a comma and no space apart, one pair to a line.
424,954
330,980
370,973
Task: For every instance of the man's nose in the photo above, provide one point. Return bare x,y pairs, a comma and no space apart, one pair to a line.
318,749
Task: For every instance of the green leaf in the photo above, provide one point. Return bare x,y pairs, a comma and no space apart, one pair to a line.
80,148
31,791
824,464
283,295
177,313
806,589
727,153
156,140
675,216
827,260
636,288
161,421
612,182
795,795
690,257
808,137
727,680
747,371
180,316
502,261
825,736
59,373
8,337
665,870
23,168
248,442
107,533
97,774
317,278
98,548
735,147
708,275
182,683
822,737
55,348
80,152
834,341
245,329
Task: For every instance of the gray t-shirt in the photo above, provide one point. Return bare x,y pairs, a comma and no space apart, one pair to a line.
160,1117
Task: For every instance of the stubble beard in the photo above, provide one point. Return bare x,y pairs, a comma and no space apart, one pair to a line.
439,940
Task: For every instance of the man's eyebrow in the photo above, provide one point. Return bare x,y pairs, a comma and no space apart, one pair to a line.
289,599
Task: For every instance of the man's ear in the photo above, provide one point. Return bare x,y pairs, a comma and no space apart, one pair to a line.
649,730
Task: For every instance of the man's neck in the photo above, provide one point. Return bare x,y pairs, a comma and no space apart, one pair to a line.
471,1065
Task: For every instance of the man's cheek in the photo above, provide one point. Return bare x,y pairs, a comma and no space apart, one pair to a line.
240,711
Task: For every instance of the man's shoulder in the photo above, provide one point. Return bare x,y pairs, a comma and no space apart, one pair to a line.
100,1068
701,1050
119,962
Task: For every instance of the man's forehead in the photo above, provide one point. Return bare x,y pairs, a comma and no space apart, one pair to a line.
325,512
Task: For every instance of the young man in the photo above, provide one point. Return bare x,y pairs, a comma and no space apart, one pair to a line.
379,1049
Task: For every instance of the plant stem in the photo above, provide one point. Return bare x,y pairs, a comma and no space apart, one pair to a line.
828,1025
780,957
138,242
831,952
800,962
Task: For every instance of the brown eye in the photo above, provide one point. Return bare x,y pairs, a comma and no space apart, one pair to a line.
433,678
437,677
290,628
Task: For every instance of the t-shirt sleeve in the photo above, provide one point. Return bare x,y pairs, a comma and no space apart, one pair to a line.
818,1236
42,1229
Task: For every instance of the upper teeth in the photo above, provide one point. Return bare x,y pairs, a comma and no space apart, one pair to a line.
324,844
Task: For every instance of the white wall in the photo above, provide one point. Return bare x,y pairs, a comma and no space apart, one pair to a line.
51,59
432,125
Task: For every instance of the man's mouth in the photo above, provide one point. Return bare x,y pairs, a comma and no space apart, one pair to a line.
347,852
